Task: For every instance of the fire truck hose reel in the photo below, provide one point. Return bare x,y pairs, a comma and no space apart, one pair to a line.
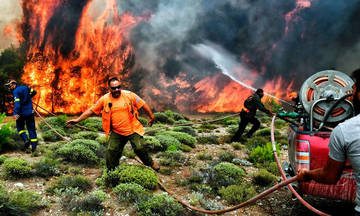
322,91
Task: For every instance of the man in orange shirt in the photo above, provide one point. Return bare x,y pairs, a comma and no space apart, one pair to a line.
120,115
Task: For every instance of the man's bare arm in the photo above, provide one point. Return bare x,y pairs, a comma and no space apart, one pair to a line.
149,113
83,116
329,174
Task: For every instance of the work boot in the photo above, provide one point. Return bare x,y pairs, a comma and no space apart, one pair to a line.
155,166
26,145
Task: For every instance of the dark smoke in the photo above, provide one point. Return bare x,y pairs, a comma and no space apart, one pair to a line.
323,36
318,38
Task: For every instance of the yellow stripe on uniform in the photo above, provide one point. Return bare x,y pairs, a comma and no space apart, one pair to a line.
34,140
22,131
16,100
31,90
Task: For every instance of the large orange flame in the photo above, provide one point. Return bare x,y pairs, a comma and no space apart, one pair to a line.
230,98
70,84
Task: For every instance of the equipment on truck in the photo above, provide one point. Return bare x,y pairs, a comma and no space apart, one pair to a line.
324,104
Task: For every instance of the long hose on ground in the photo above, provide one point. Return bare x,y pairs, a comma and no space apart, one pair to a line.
186,205
284,176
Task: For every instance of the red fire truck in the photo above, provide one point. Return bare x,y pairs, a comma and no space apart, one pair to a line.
322,104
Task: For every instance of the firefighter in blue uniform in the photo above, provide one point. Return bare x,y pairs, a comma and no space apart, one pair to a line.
23,113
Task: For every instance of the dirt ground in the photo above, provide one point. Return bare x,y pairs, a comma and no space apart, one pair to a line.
281,202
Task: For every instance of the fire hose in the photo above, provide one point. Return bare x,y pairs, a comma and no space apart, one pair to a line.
306,204
248,202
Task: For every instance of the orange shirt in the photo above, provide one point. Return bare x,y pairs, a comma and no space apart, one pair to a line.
123,112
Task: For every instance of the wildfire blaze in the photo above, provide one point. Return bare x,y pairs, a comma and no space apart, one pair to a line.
229,96
71,53
74,46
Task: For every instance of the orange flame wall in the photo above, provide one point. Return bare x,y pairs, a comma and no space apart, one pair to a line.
71,82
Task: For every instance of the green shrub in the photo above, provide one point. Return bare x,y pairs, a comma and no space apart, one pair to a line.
3,158
237,145
184,138
129,153
225,139
131,192
282,142
173,148
226,156
94,123
235,194
208,126
163,118
55,122
80,151
231,121
160,204
143,121
80,182
7,207
19,202
225,174
165,171
51,136
279,123
15,168
254,142
152,144
91,203
266,132
29,200
172,159
263,154
204,156
183,122
101,140
263,177
167,141
208,140
47,167
126,173
185,129
6,133
204,189
231,129
78,203
85,135
271,167
185,148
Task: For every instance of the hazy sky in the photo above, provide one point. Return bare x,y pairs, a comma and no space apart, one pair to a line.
10,10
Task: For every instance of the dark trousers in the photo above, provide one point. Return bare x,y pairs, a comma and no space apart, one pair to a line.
29,121
116,145
245,120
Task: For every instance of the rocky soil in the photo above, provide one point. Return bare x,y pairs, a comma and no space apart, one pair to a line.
280,203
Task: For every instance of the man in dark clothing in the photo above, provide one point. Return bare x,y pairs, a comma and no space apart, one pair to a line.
24,113
247,115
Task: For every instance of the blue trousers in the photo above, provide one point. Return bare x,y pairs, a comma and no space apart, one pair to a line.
29,121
